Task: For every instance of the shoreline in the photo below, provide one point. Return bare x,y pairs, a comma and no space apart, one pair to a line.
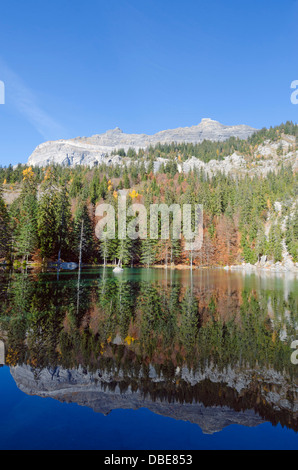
277,268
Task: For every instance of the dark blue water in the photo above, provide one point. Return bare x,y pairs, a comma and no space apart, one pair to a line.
43,423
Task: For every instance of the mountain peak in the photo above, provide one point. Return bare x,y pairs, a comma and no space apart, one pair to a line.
117,130
205,120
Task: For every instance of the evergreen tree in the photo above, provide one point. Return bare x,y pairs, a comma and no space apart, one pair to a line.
4,227
249,254
105,250
148,252
292,235
126,182
83,233
123,252
54,218
63,221
275,245
95,189
26,236
261,246
189,320
47,224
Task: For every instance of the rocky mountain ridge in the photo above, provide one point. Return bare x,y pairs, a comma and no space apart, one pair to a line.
102,149
97,149
91,390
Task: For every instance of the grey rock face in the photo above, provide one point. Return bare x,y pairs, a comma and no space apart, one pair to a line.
91,389
231,163
85,389
96,149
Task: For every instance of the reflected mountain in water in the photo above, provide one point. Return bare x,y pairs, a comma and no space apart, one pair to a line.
212,348
103,393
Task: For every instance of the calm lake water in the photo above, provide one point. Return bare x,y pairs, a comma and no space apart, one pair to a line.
149,359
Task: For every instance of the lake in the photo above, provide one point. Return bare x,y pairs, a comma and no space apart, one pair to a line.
148,359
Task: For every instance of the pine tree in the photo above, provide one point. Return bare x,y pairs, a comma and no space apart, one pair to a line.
148,252
124,306
63,221
4,227
95,189
105,250
123,252
292,235
47,224
126,182
26,234
261,246
83,233
108,242
189,320
54,218
275,245
248,253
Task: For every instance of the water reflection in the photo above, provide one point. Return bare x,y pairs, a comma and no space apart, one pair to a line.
213,349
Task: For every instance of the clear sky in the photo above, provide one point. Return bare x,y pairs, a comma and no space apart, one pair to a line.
74,67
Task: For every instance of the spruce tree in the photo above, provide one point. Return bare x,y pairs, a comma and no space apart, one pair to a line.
4,227
26,233
54,218
275,245
292,235
261,246
63,221
148,252
189,320
47,224
83,233
123,252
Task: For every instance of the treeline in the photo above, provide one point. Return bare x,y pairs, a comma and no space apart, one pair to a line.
208,150
205,151
55,214
273,133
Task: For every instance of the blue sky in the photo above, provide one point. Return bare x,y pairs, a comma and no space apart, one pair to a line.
79,68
